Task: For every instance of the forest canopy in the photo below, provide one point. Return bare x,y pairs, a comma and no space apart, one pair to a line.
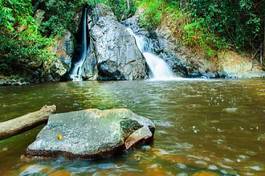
212,25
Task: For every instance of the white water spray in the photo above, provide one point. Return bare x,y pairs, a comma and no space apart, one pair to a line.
76,74
159,68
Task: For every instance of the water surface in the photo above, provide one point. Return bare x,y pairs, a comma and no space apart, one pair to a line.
203,127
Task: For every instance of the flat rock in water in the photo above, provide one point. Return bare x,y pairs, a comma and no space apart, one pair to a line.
91,133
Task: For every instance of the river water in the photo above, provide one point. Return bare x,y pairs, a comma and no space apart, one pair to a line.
203,128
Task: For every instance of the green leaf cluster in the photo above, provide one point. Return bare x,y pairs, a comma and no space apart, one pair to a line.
152,15
239,22
210,25
122,8
20,37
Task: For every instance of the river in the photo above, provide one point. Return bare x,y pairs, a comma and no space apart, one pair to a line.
214,127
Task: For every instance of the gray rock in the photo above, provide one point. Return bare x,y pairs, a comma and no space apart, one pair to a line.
116,52
91,133
64,49
13,81
89,68
238,66
159,43
54,70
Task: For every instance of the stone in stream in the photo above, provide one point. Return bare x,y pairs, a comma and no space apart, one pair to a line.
91,133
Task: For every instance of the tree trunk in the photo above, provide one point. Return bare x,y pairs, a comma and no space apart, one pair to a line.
128,5
182,4
261,54
264,40
25,122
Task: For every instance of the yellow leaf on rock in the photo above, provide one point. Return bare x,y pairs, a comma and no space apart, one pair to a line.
59,137
60,173
205,173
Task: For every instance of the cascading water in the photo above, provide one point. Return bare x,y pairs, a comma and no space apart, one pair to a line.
76,73
159,68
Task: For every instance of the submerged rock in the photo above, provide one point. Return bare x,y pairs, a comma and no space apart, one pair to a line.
114,49
13,81
91,133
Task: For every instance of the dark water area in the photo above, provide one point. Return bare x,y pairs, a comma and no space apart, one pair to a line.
203,128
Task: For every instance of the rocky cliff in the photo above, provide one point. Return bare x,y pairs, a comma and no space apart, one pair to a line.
187,63
113,51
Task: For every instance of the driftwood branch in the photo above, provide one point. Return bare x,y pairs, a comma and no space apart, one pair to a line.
25,122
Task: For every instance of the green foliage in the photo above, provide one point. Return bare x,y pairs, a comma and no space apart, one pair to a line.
193,33
122,8
152,15
28,28
19,35
210,25
59,16
239,22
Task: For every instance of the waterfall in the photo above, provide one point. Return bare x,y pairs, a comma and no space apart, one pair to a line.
76,73
159,68
140,40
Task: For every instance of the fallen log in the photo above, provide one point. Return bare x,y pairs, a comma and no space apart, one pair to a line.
20,124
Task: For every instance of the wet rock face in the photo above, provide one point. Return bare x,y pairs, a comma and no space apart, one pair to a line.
91,133
116,52
64,49
186,63
54,70
161,43
237,66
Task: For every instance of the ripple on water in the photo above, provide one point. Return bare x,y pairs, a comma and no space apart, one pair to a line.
181,166
163,123
256,167
33,169
230,110
233,110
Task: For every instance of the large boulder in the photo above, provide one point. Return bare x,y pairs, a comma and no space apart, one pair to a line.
116,52
52,71
91,133
235,65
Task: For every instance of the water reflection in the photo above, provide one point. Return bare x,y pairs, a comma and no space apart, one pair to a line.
203,127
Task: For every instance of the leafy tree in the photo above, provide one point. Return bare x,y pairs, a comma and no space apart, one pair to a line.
122,8
211,25
20,37
240,22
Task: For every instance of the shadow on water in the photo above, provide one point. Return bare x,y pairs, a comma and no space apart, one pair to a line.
203,127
